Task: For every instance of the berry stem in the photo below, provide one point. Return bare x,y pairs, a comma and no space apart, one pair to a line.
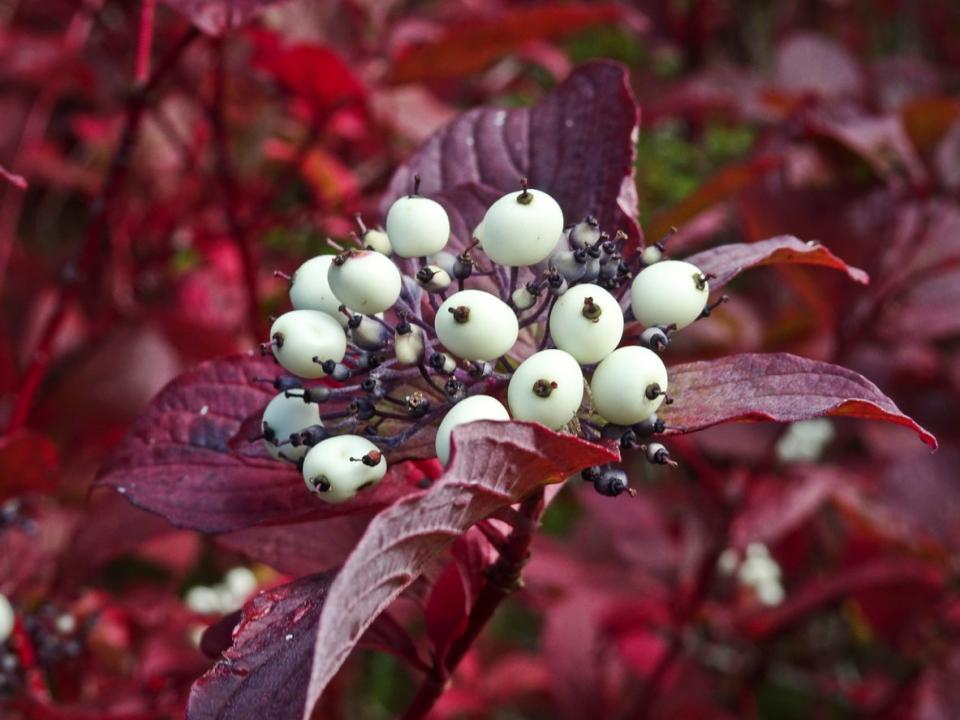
503,578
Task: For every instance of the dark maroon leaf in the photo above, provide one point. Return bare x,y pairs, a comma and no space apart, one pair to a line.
728,261
216,17
778,387
264,672
218,638
926,311
890,573
577,144
177,461
493,465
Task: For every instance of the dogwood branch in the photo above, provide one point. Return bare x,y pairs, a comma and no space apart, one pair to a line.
503,578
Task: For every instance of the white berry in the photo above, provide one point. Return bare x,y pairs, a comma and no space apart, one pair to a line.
339,467
299,336
651,255
476,325
521,228
547,388
6,619
476,407
670,292
628,385
417,226
587,322
366,281
377,240
409,347
284,416
309,289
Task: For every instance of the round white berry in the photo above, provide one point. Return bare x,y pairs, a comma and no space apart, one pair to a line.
417,226
409,347
547,388
367,282
299,336
670,292
377,240
476,325
521,228
587,322
523,299
6,618
338,467
284,416
309,289
628,385
476,407
651,255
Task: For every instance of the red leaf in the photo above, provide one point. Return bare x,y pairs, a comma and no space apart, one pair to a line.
265,671
728,261
28,463
447,608
216,17
176,460
493,465
777,387
889,573
16,180
577,144
471,44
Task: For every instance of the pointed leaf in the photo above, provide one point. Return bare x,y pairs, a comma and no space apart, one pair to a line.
728,261
177,459
264,672
494,465
577,144
778,387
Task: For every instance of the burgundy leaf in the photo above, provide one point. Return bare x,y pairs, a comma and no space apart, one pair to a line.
776,507
889,573
218,638
216,17
493,465
177,461
776,387
577,144
728,261
926,311
264,672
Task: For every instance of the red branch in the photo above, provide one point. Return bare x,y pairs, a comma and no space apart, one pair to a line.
141,71
85,268
503,577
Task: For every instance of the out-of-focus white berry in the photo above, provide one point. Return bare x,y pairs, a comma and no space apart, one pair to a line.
417,226
7,618
409,347
587,322
367,282
377,240
622,381
284,416
546,388
309,289
203,600
476,407
670,292
476,325
521,228
805,441
241,582
299,336
339,467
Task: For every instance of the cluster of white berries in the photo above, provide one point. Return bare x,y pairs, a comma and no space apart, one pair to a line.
390,338
237,586
757,572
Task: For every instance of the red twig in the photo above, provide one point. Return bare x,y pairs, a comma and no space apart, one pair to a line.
86,266
228,184
503,577
141,71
